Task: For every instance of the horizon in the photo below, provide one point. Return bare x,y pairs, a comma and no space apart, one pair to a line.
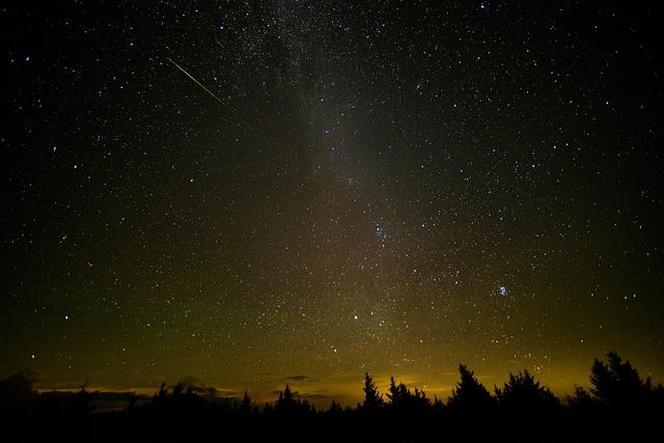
321,394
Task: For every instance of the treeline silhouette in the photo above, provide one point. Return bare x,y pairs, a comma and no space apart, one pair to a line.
619,406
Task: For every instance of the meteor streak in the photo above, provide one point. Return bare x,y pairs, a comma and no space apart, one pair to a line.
197,82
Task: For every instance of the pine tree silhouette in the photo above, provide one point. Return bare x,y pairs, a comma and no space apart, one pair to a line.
335,409
617,383
372,398
523,394
289,404
469,396
245,407
393,393
286,402
581,402
405,401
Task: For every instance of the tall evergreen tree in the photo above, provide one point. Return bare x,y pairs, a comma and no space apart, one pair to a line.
402,399
393,393
523,393
372,398
245,406
469,395
581,402
617,383
286,401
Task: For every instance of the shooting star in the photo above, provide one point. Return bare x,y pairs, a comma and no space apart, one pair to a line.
197,82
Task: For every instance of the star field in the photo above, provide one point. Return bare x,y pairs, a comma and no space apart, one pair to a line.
329,188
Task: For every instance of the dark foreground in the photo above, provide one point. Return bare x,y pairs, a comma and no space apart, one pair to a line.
620,407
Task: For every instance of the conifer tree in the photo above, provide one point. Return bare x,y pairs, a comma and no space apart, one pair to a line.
372,398
469,395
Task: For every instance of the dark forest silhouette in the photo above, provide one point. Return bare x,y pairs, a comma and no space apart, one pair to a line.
619,406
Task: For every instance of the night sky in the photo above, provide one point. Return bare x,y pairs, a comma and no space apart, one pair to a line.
254,193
